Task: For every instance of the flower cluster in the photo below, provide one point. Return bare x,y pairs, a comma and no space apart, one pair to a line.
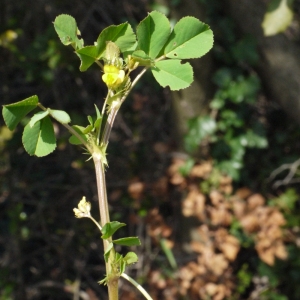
83,210
113,76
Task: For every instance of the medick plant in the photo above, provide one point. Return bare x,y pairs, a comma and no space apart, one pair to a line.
117,51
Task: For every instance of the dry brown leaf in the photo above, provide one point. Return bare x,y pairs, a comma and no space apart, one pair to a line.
267,255
177,179
193,204
166,231
215,291
255,201
226,185
201,171
197,246
280,250
239,207
243,193
227,243
211,288
277,218
216,263
136,189
273,232
216,198
250,223
157,279
174,167
220,216
188,272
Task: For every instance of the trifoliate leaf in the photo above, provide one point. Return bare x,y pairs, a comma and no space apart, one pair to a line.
152,33
190,38
40,139
37,117
15,112
172,73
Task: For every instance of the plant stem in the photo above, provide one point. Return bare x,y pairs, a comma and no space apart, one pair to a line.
112,282
137,285
112,277
96,223
101,188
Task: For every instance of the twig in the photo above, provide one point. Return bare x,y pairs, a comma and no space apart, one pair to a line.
292,167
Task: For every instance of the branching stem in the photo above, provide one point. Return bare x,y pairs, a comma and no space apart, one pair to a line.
137,285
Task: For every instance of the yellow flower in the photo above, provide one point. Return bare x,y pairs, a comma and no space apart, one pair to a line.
113,76
83,209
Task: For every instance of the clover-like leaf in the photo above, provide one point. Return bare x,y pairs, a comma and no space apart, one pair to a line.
130,258
152,33
110,228
88,55
40,139
190,38
60,116
66,28
15,112
37,117
173,73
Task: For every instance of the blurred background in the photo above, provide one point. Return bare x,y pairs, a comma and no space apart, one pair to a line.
207,177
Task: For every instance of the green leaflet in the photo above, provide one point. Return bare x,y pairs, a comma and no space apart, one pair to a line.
87,55
128,241
37,117
81,131
153,33
60,116
190,38
130,258
172,73
142,58
122,35
110,228
39,139
15,112
66,28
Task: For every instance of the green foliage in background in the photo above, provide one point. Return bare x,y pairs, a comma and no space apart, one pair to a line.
230,129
